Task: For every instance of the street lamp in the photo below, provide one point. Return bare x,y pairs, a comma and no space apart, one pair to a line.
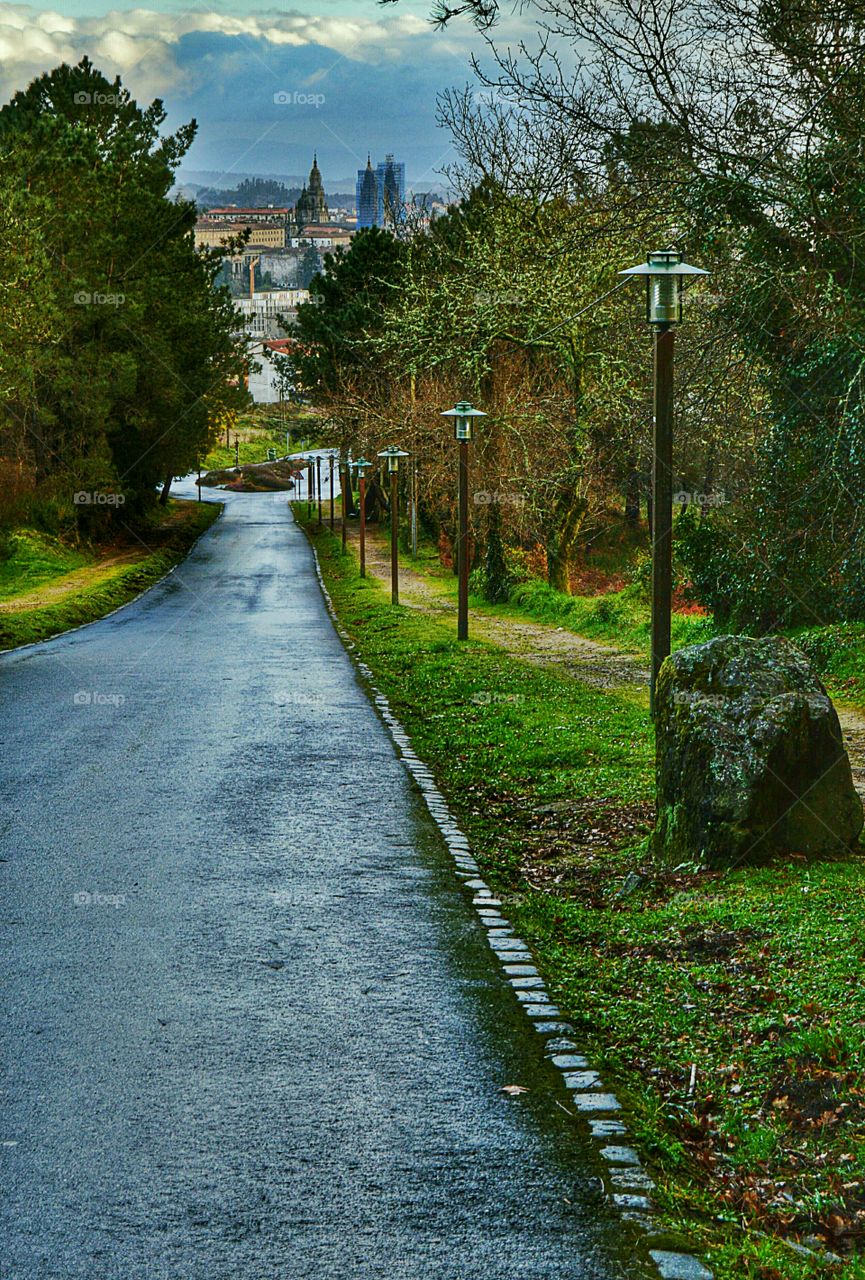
361,466
462,414
664,272
393,455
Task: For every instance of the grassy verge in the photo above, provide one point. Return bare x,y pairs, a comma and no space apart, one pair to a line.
31,559
46,587
727,1009
259,430
622,618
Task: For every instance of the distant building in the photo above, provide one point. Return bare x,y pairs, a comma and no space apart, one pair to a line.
380,193
366,196
312,206
390,180
324,236
273,227
212,232
263,383
260,315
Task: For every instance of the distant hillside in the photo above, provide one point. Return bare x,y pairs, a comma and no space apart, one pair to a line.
215,180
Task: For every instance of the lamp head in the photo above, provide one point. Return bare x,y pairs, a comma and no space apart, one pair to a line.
664,271
462,414
393,455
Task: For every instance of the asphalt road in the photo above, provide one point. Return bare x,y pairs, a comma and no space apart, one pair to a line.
251,1027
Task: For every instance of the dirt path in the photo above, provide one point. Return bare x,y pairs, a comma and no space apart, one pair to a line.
536,642
546,646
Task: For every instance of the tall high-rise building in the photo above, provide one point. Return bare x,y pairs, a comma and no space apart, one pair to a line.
380,193
390,175
366,193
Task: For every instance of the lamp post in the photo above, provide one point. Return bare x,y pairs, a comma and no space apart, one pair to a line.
414,508
318,484
393,455
462,414
310,484
361,466
664,271
345,492
330,460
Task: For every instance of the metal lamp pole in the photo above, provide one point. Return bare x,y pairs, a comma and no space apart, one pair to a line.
344,483
310,485
361,466
393,456
318,483
462,414
331,492
663,271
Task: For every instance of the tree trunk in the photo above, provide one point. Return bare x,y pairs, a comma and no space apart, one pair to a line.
376,500
571,512
166,487
632,494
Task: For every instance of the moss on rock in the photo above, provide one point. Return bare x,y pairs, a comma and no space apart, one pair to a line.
751,760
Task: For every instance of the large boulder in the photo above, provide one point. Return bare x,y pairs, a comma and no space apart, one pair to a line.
750,756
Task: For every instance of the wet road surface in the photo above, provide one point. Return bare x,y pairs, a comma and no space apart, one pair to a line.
251,1027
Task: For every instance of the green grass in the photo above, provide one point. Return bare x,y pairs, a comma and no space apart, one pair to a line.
110,587
752,978
34,559
620,618
258,432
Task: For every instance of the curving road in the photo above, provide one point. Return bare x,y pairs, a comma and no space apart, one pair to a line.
251,1028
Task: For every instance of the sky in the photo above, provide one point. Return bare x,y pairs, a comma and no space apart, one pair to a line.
268,85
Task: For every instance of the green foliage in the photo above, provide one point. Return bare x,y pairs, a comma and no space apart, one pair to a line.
41,561
346,309
620,618
139,355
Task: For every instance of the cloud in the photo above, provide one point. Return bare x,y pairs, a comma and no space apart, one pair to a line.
141,44
348,83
